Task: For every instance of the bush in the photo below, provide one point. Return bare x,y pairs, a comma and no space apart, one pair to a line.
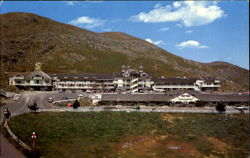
12,89
85,101
61,104
33,107
76,104
220,107
199,103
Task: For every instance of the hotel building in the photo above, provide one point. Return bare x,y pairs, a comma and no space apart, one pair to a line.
127,81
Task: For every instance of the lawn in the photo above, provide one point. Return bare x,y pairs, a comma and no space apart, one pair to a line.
135,135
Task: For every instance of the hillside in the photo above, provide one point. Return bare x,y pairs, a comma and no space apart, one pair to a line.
27,38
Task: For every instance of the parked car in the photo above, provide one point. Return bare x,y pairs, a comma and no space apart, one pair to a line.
65,98
16,97
50,99
80,95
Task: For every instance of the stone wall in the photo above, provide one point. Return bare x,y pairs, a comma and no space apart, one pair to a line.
14,137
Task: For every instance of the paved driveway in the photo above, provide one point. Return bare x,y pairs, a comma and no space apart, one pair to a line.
21,106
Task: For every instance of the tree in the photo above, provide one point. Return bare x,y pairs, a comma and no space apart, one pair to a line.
220,107
33,107
199,103
85,101
76,104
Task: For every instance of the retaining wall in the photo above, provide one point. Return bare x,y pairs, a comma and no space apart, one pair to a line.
14,137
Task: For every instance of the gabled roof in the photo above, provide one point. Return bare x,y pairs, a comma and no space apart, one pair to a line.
175,80
168,97
38,72
223,97
136,97
82,77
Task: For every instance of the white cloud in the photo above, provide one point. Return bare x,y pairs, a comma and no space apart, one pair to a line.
228,58
160,42
176,4
71,2
164,29
158,5
187,13
1,2
189,31
94,1
191,44
87,22
107,30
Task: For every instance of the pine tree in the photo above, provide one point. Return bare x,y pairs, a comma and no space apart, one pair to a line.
76,104
220,107
33,107
199,103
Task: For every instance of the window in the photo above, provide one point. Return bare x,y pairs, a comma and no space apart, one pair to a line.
18,81
37,81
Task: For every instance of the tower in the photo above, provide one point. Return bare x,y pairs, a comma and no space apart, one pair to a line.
123,68
141,68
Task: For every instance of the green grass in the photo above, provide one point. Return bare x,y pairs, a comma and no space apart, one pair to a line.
102,134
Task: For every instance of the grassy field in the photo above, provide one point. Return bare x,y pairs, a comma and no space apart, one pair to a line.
135,135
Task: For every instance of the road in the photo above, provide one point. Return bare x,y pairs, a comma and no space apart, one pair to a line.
8,150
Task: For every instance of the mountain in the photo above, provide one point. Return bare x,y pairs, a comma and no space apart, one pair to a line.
27,38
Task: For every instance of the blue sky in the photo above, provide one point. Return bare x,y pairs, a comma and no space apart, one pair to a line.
201,31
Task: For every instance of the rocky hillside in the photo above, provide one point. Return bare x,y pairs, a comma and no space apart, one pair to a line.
27,38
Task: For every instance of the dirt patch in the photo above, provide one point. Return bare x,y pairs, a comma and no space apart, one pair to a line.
138,145
182,148
241,116
218,144
156,147
170,117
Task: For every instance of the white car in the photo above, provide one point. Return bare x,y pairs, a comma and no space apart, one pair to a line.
50,99
80,95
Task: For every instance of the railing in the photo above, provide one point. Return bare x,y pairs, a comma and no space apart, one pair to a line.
134,90
37,78
85,87
207,85
134,80
134,85
18,78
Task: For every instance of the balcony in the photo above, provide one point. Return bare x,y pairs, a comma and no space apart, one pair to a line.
18,77
37,78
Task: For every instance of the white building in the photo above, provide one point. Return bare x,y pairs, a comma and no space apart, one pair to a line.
127,81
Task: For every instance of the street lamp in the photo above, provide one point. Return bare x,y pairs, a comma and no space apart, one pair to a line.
33,136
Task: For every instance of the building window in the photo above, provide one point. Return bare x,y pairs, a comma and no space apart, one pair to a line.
18,81
37,81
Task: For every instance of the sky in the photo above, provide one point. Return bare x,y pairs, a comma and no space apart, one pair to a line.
203,31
